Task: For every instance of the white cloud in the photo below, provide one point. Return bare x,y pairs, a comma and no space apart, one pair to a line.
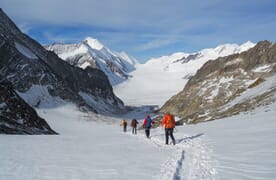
61,38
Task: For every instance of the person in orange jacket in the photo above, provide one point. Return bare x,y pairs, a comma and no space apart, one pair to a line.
169,123
124,124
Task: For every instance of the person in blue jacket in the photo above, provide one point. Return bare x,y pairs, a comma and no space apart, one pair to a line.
147,125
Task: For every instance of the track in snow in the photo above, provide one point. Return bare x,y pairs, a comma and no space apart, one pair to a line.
190,158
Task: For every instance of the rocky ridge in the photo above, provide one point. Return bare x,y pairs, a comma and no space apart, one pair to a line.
39,75
228,85
17,117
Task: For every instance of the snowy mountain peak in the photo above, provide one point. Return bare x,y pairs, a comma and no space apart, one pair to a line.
93,43
91,53
247,45
181,58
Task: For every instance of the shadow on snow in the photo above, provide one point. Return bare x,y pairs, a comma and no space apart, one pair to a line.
188,138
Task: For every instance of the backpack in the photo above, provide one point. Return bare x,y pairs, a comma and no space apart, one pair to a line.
134,123
148,123
169,121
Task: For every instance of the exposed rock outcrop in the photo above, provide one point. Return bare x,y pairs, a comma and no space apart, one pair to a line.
41,75
228,85
17,117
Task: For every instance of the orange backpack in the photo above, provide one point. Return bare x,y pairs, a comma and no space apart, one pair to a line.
168,121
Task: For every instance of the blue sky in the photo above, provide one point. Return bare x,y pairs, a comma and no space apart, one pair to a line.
146,28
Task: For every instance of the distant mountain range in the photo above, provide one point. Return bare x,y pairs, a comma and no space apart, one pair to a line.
178,61
91,53
160,78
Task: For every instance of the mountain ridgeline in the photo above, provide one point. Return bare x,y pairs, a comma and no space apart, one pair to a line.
91,53
228,85
42,79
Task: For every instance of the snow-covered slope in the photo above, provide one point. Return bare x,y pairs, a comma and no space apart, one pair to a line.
165,76
91,53
94,147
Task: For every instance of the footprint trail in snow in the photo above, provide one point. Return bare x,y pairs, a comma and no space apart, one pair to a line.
190,158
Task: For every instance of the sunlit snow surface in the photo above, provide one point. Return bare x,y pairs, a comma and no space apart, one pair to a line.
94,147
150,85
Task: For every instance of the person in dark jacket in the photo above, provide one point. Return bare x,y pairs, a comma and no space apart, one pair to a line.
134,123
147,125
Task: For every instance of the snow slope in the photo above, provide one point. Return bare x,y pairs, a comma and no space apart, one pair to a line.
242,145
94,147
86,149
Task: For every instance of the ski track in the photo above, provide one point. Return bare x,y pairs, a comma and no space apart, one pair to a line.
190,158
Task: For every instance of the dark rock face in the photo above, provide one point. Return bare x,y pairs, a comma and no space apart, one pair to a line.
210,94
17,117
25,63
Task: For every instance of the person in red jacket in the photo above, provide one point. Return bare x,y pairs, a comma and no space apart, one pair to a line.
134,123
169,123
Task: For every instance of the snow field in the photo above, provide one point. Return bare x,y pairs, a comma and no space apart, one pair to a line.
94,147
189,159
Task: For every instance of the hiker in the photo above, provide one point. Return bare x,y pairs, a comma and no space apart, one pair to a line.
134,123
169,123
147,125
124,124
